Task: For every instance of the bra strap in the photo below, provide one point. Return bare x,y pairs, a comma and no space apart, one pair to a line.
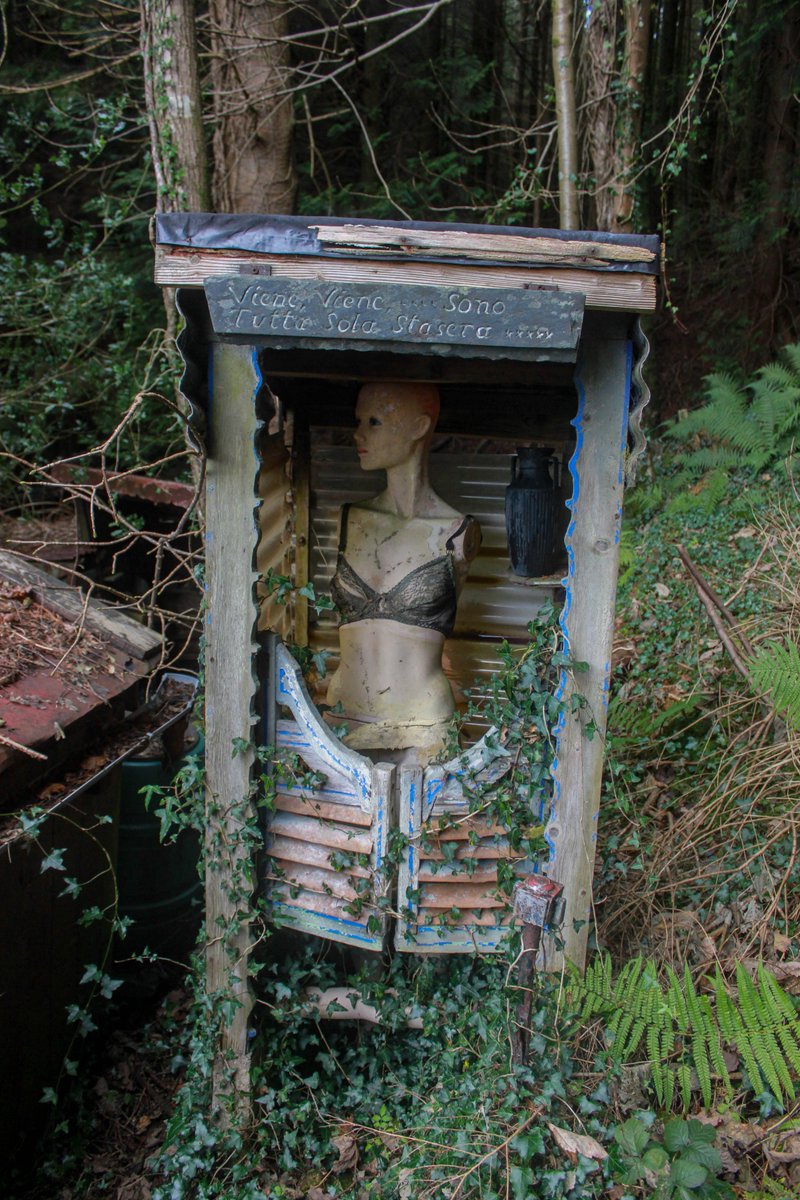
449,543
343,521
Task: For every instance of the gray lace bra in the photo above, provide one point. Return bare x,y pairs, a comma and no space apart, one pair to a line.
425,597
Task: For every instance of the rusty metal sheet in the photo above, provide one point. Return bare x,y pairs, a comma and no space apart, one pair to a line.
51,715
496,322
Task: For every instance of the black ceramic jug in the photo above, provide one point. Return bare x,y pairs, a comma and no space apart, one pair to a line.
530,512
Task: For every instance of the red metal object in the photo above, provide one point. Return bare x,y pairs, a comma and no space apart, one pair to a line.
536,901
52,715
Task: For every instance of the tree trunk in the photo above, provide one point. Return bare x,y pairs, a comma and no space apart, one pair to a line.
634,67
174,110
600,116
613,116
177,143
253,162
779,147
564,76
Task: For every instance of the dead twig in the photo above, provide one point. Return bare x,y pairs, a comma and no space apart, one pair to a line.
7,741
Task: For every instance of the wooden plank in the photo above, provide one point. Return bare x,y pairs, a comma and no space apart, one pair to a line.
312,854
493,917
462,896
588,619
321,750
496,848
311,804
439,872
329,906
360,824
486,246
337,837
231,500
462,829
274,519
313,879
624,292
65,600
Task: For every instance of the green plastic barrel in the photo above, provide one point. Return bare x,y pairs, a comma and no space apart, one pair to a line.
159,886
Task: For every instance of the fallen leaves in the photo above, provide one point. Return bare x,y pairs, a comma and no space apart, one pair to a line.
346,1147
574,1144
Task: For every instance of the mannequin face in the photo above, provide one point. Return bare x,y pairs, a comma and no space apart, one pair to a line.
390,426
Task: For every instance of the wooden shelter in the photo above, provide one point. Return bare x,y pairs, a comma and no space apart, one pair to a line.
533,339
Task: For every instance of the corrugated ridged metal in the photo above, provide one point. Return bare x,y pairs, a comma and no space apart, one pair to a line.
274,521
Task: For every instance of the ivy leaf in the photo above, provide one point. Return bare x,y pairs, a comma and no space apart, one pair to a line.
31,821
54,861
521,1182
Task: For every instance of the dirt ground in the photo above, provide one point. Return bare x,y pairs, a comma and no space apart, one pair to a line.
123,1099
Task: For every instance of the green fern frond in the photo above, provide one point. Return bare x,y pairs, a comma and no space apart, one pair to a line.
781,378
655,1057
791,356
775,668
780,1000
677,1001
726,1013
705,496
749,425
684,1030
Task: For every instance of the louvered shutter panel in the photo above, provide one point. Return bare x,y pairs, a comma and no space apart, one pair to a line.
448,897
327,837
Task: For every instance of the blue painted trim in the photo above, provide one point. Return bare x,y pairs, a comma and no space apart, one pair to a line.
378,818
412,822
339,928
563,621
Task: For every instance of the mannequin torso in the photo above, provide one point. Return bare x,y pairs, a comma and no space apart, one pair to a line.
403,557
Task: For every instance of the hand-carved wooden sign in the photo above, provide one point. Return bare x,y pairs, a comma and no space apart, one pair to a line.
499,321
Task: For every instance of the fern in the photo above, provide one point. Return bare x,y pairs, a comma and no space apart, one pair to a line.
751,425
683,1031
775,668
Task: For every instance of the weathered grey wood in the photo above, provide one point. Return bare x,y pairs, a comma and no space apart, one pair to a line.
496,246
309,854
627,292
437,319
231,492
593,544
65,600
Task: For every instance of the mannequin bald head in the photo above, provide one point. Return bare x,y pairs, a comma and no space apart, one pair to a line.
394,422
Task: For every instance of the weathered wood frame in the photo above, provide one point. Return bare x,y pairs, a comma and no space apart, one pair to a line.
604,375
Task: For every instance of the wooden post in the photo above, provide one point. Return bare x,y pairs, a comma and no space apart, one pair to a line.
231,508
603,378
